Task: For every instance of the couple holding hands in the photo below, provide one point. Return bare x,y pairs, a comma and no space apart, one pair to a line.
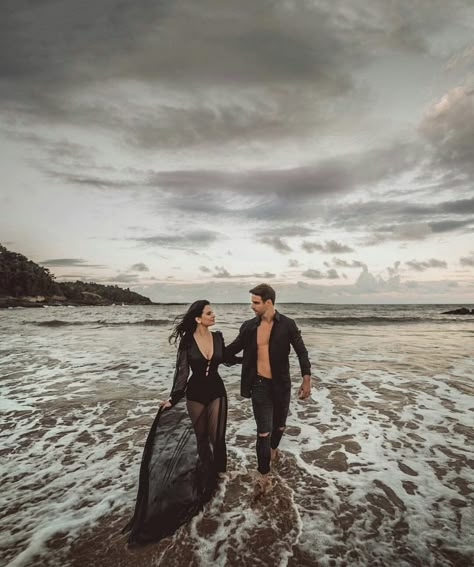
185,452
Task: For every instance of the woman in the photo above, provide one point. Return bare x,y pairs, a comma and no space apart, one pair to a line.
185,452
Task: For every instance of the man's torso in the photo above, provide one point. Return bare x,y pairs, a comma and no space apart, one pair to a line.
263,349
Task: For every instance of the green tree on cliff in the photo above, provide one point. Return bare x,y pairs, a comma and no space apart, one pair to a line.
20,277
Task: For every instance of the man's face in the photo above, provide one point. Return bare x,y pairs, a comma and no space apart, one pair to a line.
258,306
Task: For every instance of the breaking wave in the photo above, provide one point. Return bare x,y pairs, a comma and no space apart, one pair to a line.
101,323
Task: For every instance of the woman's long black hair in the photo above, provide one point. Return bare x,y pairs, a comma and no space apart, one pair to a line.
185,325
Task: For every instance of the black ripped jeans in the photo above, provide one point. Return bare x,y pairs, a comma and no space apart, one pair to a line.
270,409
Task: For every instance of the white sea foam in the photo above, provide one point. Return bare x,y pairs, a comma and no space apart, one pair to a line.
376,467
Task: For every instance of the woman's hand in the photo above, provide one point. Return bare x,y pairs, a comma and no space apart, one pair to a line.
165,404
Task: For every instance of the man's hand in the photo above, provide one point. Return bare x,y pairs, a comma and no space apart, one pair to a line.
305,388
165,404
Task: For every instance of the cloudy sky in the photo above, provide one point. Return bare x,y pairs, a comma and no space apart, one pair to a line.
189,148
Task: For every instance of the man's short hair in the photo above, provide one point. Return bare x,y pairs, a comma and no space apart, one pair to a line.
265,291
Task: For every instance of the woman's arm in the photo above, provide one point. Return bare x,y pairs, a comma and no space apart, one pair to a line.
229,358
181,375
235,346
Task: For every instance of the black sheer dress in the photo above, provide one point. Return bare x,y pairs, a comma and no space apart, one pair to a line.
185,448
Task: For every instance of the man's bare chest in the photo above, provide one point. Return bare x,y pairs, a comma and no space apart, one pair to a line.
263,334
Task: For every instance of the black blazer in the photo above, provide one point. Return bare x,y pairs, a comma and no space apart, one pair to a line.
283,334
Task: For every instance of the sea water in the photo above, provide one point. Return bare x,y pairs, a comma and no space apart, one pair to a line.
376,468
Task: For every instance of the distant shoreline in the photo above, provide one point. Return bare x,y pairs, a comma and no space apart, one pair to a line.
31,303
7,302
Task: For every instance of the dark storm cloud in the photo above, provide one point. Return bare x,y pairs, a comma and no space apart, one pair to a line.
180,241
140,267
311,247
143,40
334,175
374,211
69,263
196,202
272,189
273,192
381,219
334,247
225,42
318,275
448,126
285,231
313,274
61,63
332,274
53,52
277,244
270,195
329,247
403,232
467,260
175,74
235,205
62,152
419,230
460,207
264,115
402,25
223,273
421,266
451,225
345,264
94,181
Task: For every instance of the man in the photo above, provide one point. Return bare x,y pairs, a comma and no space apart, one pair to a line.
266,341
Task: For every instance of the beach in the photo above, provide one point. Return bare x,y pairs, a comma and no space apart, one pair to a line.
376,468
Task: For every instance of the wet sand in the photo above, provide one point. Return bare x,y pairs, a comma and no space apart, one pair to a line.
376,468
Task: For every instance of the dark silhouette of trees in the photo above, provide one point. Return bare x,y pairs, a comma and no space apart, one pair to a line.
20,277
113,293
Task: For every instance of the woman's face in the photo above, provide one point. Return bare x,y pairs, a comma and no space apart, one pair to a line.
208,317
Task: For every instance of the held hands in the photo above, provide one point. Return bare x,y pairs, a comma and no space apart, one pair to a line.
165,404
305,388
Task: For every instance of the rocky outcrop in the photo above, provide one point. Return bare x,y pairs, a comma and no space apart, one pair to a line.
460,311
23,283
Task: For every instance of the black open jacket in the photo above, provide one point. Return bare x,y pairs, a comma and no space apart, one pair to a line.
283,334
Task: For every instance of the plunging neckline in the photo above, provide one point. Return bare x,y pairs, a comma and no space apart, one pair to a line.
200,351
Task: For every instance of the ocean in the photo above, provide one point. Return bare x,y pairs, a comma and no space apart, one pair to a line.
376,468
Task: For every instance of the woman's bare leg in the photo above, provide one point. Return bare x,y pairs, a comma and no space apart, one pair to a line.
216,420
198,414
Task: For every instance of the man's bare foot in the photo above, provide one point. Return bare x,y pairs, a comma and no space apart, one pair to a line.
263,484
